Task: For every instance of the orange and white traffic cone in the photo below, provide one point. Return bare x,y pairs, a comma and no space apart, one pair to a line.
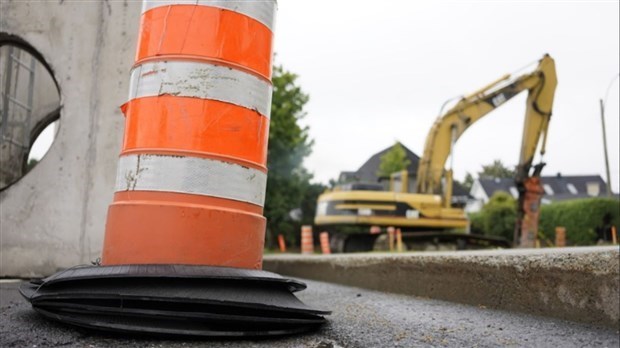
194,154
281,243
307,241
184,234
560,236
324,239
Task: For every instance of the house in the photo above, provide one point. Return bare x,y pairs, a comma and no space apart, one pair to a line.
557,188
367,173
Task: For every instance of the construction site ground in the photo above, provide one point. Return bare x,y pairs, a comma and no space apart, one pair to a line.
361,318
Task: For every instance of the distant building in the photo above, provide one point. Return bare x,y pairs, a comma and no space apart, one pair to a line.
557,188
367,173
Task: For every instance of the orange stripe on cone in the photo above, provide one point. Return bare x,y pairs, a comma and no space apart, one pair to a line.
171,233
209,33
187,200
194,124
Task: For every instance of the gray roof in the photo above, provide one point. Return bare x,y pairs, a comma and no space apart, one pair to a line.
459,190
492,185
559,186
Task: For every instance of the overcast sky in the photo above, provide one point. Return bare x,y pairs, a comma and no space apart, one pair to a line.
379,71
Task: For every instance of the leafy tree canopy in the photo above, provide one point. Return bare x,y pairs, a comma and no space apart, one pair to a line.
393,161
496,170
468,182
289,144
493,170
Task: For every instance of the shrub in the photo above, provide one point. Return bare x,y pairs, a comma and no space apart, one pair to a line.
475,223
585,220
496,218
500,216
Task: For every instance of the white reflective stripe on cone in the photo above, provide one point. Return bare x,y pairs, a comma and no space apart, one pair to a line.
191,175
201,80
260,10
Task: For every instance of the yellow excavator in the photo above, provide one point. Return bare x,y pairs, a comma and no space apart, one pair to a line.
356,213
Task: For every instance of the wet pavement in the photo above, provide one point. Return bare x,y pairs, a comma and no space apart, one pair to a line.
361,318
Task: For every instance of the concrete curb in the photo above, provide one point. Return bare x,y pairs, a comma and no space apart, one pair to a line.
579,284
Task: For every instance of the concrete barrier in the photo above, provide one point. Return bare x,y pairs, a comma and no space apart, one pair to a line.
579,284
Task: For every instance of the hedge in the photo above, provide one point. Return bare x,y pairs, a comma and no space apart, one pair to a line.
584,219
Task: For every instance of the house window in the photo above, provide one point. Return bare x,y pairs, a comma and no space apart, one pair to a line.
593,188
548,189
571,188
514,192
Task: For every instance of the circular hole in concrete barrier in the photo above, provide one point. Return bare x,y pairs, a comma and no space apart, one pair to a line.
29,109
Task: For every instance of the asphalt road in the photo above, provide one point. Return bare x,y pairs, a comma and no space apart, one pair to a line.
361,318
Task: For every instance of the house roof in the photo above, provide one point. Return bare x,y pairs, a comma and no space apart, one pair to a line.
557,187
459,190
492,185
368,170
560,184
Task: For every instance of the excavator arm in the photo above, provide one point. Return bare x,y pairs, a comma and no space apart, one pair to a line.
448,128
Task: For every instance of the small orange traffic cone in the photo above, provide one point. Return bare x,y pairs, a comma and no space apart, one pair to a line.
324,238
184,236
307,242
281,243
560,237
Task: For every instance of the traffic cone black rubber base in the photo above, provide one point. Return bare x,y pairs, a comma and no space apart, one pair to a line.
174,300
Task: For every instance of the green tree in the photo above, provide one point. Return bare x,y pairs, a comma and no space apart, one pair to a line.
393,160
332,183
469,181
289,144
496,170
